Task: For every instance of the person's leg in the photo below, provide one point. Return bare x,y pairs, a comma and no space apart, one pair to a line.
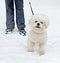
20,21
9,14
20,14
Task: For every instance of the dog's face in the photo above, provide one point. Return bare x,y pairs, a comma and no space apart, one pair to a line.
38,23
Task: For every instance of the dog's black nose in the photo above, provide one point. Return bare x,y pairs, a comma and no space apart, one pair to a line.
38,23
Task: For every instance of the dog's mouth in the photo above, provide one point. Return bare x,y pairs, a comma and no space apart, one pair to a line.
37,26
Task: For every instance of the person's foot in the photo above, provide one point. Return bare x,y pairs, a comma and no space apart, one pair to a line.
8,31
22,32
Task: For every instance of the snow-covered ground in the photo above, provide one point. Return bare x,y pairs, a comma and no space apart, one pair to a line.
13,46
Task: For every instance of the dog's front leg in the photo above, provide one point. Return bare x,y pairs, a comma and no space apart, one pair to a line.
41,48
30,46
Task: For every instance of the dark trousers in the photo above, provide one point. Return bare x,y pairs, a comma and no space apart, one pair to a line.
20,21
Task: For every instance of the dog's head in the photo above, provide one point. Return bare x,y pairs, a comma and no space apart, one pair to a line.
38,23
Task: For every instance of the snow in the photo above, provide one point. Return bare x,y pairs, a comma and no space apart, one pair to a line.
13,47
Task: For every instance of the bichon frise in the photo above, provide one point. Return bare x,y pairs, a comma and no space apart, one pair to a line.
38,34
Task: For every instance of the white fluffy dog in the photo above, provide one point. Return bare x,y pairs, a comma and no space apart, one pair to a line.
38,34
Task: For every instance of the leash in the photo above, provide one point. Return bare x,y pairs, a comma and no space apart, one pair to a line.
31,7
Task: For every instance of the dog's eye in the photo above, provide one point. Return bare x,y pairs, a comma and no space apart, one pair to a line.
41,22
36,21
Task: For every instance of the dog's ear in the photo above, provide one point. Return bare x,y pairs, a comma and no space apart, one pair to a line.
46,20
46,23
30,21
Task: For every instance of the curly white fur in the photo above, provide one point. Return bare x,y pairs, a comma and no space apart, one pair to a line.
38,33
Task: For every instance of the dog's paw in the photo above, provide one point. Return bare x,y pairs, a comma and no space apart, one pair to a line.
41,53
30,50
